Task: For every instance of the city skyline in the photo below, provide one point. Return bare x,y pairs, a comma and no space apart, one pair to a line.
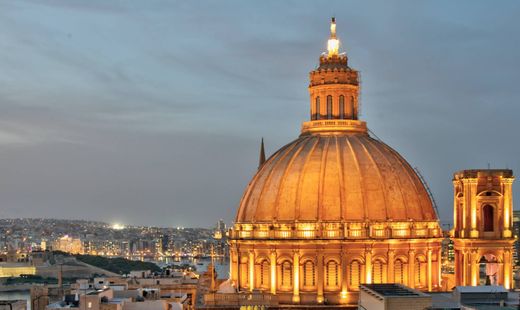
152,113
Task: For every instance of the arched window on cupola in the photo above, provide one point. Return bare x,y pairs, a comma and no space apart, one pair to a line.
342,107
316,115
488,218
329,107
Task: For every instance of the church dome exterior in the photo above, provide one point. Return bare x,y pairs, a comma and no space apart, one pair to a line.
334,208
341,177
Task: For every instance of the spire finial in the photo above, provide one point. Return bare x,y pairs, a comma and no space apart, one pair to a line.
333,43
262,154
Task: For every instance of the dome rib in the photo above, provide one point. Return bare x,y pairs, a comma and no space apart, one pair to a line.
297,212
397,205
358,169
377,168
284,178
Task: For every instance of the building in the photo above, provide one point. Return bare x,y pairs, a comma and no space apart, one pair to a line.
335,207
68,244
392,297
483,237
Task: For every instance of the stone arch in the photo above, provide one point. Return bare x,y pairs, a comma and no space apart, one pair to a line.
489,263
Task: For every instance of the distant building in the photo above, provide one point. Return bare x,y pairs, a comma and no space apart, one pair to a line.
68,244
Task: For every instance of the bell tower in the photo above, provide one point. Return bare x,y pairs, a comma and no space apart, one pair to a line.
482,218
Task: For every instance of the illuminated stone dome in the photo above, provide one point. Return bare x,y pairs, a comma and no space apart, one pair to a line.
338,177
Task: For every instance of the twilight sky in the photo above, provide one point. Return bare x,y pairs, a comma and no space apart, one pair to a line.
151,112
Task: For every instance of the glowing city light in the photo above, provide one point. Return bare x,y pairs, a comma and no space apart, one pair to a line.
117,226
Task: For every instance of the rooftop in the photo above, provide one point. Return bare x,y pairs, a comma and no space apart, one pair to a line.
391,290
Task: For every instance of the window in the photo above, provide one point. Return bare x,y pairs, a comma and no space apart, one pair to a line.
341,107
317,108
355,274
329,107
286,274
399,271
377,272
332,273
488,218
350,109
308,274
420,272
264,273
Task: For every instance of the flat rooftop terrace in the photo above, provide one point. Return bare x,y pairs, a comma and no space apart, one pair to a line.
391,290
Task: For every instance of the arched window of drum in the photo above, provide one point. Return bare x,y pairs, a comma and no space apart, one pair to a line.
286,274
377,272
317,108
329,107
399,271
341,107
420,272
264,273
332,274
488,218
309,275
355,274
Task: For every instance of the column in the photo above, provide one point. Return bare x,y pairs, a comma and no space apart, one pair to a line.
390,276
474,267
508,206
439,269
464,267
344,276
368,266
455,205
465,206
239,272
251,270
411,268
273,271
319,260
473,205
429,271
296,277
233,265
508,270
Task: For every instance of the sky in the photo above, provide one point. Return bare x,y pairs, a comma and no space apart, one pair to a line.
151,112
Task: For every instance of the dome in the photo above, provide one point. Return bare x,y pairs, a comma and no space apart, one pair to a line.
335,177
